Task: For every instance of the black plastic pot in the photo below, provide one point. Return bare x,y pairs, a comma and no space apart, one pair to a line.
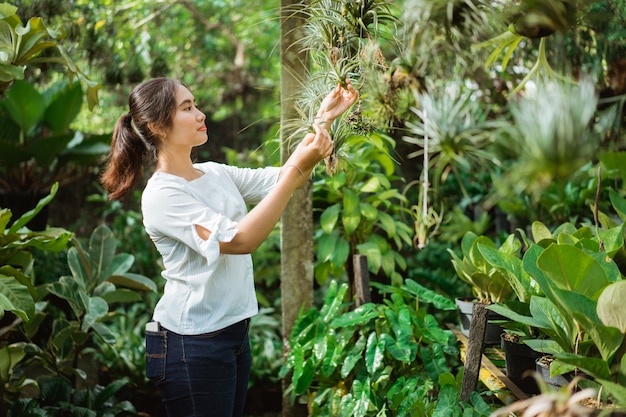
520,363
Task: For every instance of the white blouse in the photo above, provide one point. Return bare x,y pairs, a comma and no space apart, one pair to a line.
204,291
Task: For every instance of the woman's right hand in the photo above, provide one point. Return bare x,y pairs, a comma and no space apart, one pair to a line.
313,148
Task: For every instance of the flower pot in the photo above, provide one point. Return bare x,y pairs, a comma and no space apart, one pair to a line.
493,330
543,369
520,363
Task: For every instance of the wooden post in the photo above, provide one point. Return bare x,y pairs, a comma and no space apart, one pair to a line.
475,346
361,280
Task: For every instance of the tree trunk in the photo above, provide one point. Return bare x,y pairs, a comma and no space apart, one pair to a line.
297,219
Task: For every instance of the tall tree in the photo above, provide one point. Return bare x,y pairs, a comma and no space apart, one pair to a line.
297,220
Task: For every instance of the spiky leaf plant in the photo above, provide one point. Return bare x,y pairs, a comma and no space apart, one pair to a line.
339,36
454,127
553,136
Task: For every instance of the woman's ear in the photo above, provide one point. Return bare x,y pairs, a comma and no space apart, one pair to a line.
156,130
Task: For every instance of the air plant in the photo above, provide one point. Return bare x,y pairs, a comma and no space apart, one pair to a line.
553,136
340,36
533,19
457,131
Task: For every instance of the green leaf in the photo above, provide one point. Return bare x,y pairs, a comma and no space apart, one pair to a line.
25,105
341,252
105,333
374,353
133,281
610,306
569,268
372,185
108,393
54,389
618,391
429,296
351,214
326,246
96,309
79,271
373,254
102,251
333,302
541,234
387,222
353,356
29,215
359,315
329,218
63,109
595,367
448,402
10,356
618,202
15,297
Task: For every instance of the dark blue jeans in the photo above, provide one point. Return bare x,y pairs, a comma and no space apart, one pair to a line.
201,375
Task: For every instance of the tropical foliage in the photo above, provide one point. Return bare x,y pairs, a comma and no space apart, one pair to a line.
485,148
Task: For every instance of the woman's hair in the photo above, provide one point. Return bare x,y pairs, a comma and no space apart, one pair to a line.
151,104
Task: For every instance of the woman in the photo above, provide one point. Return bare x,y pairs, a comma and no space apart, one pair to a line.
197,347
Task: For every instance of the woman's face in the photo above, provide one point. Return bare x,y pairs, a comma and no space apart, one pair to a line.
188,128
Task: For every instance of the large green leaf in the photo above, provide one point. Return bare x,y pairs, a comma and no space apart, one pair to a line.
555,323
353,356
63,108
25,104
46,149
54,389
107,394
610,306
618,392
333,302
119,264
512,271
427,295
351,214
569,268
102,246
77,264
97,308
595,367
583,311
374,353
104,332
359,315
15,297
618,202
10,355
68,289
134,281
122,296
329,217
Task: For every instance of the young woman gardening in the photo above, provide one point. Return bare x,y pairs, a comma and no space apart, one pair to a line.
197,347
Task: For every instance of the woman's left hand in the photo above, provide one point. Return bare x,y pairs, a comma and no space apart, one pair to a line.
336,103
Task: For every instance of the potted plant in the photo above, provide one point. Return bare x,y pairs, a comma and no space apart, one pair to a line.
488,283
580,284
